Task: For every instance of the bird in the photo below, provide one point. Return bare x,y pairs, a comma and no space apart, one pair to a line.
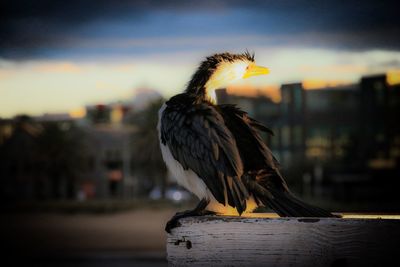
216,151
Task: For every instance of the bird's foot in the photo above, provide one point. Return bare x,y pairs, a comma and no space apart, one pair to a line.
174,221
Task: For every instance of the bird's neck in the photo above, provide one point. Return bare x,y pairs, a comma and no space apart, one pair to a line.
200,86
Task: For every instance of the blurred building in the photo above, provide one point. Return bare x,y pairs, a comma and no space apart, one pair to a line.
109,151
55,156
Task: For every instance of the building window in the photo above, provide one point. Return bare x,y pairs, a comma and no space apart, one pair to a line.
285,136
298,99
298,136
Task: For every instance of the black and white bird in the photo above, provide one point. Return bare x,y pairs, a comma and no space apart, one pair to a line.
216,151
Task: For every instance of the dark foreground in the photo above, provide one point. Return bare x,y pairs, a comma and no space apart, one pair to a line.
132,238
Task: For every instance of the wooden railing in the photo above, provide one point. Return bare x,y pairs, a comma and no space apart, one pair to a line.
265,240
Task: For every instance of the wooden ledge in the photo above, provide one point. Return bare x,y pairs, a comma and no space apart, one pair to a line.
267,240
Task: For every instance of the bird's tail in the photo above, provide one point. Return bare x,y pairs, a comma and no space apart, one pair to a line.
287,205
271,191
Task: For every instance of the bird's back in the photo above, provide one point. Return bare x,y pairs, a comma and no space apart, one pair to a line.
255,154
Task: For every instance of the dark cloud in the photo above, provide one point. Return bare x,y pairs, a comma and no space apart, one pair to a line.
27,25
34,28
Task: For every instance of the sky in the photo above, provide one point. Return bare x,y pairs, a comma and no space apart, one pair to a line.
58,56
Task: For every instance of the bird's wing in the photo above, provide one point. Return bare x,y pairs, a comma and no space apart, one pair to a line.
261,170
254,152
199,140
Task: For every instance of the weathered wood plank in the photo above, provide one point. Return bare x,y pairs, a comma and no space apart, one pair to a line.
238,241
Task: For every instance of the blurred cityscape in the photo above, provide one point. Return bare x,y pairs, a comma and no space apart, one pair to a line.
88,187
338,147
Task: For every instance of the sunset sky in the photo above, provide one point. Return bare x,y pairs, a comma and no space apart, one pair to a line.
57,56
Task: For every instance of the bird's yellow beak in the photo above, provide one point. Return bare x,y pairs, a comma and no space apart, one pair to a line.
254,70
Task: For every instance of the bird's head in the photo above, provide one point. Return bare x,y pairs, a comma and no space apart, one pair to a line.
220,70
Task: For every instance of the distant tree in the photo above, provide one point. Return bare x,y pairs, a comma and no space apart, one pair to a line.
63,155
146,150
19,163
41,160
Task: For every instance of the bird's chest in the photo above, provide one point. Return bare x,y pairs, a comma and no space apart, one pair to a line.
186,178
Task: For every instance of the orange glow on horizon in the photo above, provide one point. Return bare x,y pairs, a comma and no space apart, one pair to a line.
335,69
271,91
312,84
393,77
78,113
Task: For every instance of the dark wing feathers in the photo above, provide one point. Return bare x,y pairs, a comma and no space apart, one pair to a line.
254,152
233,110
199,140
259,126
